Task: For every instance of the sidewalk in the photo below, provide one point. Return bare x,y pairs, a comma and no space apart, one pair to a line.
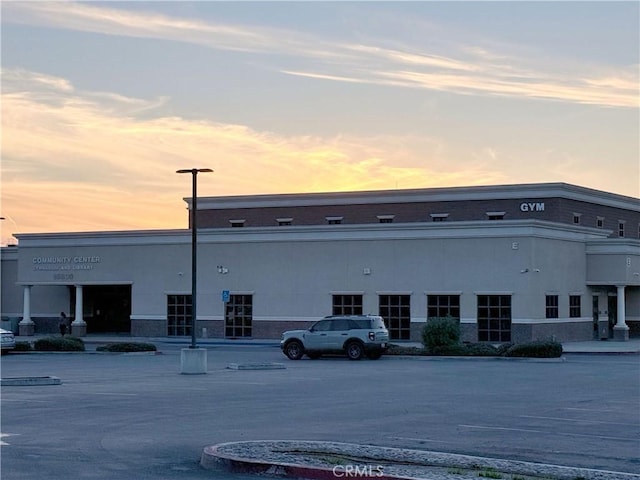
590,347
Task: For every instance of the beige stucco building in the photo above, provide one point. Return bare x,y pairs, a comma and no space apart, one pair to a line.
512,263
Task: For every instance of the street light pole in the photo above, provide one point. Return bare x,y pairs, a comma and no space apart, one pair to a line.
194,245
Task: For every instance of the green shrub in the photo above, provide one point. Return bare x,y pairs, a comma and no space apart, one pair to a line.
503,348
440,332
467,350
395,349
127,347
457,350
59,344
482,350
22,347
539,349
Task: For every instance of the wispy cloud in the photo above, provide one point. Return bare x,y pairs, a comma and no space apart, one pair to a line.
86,150
470,69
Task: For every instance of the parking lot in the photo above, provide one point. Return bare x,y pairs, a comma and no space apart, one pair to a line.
135,416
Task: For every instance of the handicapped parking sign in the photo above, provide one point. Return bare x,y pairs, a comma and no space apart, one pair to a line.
225,296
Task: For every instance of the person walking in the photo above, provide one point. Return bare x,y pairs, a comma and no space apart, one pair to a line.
63,323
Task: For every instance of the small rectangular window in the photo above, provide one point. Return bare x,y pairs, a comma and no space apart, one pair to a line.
576,218
494,318
600,222
552,306
347,304
178,315
334,220
621,228
574,306
440,306
237,223
283,222
396,312
439,217
495,215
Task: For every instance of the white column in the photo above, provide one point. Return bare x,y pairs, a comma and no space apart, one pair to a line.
621,313
26,325
621,330
79,326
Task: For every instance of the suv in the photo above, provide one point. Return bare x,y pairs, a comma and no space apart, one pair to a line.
355,335
8,341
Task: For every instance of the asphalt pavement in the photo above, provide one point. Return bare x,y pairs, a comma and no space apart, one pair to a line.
132,415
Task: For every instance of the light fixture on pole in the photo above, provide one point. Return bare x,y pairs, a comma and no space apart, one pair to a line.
194,244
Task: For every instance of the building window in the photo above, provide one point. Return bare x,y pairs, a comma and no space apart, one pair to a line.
551,306
347,304
238,316
178,315
440,306
386,218
495,215
237,223
439,217
334,220
621,228
575,310
576,218
396,311
494,318
600,222
284,222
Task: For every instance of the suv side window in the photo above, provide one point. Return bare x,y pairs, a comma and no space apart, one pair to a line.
341,324
322,326
360,323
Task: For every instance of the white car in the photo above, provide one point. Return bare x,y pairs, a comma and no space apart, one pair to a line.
355,335
8,341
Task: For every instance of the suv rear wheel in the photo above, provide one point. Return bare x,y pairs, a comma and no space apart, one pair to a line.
294,350
355,350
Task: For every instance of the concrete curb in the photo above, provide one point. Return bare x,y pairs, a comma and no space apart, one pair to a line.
330,460
29,381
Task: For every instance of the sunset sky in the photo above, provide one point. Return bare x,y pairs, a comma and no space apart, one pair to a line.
103,101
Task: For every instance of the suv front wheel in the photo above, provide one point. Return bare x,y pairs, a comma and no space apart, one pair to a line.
294,350
355,350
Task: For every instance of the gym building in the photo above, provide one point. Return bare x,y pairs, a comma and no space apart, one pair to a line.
513,263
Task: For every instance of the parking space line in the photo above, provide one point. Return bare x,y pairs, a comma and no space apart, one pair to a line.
113,393
2,435
602,437
591,410
420,439
574,420
486,427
